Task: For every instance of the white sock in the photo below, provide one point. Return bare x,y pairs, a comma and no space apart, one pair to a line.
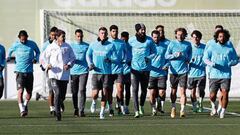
200,100
154,109
213,105
52,108
219,107
94,101
26,102
223,110
156,103
182,108
162,104
173,105
102,109
20,105
122,108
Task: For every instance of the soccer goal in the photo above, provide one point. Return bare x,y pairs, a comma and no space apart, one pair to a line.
90,21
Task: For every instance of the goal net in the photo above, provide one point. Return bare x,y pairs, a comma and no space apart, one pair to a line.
90,21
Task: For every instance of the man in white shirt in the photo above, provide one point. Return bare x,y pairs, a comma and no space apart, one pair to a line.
58,59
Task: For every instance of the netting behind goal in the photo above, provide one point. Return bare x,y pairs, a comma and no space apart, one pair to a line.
90,21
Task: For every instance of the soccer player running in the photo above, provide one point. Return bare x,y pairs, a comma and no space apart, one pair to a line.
127,71
26,53
143,50
158,73
161,94
197,73
179,53
208,68
2,66
220,56
100,55
79,74
59,58
117,70
52,37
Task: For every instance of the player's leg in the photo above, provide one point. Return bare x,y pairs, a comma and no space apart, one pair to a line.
152,87
106,81
192,84
96,86
1,87
225,88
220,97
201,90
162,85
135,86
144,84
50,97
213,86
173,94
183,98
82,96
29,87
74,88
57,98
120,92
127,86
63,94
20,88
110,95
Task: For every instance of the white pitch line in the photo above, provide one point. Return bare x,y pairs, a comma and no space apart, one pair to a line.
231,113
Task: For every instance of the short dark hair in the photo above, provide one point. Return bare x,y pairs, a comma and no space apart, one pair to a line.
183,30
219,26
115,27
78,31
102,28
22,33
53,29
226,34
124,34
155,32
159,26
60,32
197,33
139,26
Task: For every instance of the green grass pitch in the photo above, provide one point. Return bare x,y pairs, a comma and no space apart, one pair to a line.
39,121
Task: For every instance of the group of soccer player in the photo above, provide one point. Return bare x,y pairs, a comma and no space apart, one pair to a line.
126,62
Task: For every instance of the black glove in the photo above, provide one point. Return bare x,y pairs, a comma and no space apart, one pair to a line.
107,60
34,61
8,59
91,67
129,63
192,60
147,60
1,68
42,68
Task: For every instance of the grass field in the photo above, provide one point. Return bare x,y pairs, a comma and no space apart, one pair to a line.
39,121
